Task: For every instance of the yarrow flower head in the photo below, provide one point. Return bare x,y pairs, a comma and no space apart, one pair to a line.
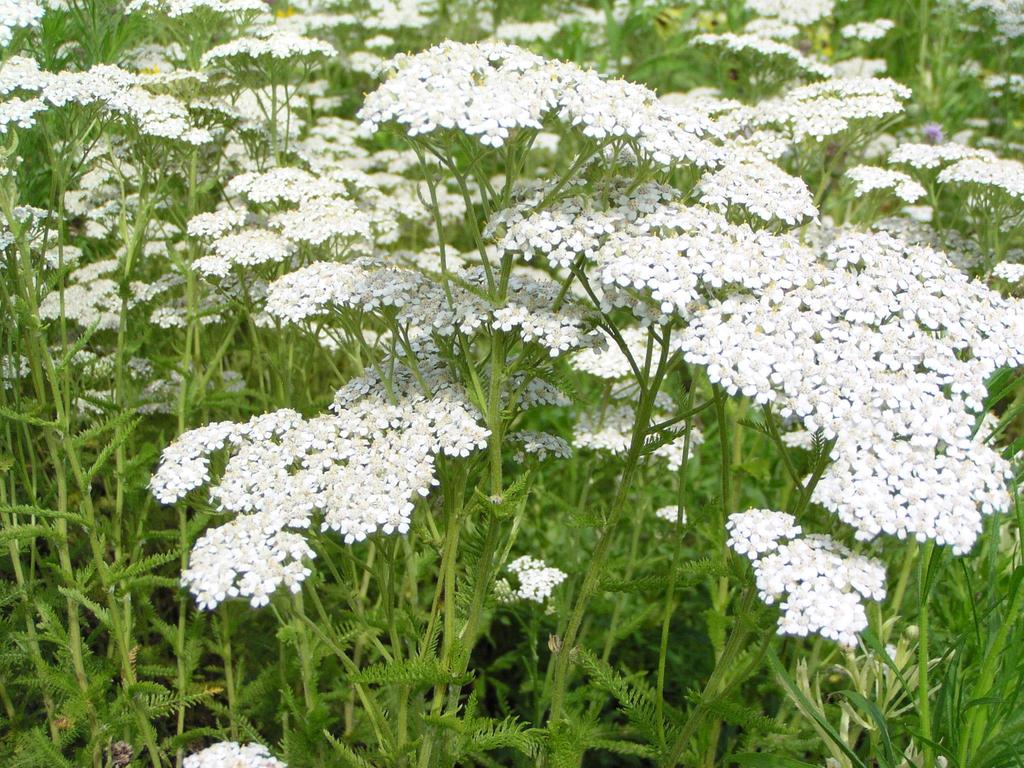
757,531
359,470
671,514
987,172
869,178
175,9
120,94
829,108
801,12
540,445
489,90
216,223
759,187
18,14
767,53
932,156
272,44
868,31
863,339
248,248
423,303
230,754
536,581
821,583
1009,271
92,296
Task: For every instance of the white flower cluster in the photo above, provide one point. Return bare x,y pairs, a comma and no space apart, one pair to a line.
672,452
866,349
19,113
799,438
540,445
642,265
849,103
360,468
771,29
870,178
273,44
802,12
536,581
92,298
488,90
1007,14
283,185
379,42
868,31
766,52
230,754
606,429
823,584
1009,271
932,156
12,368
534,392
610,429
216,223
671,514
338,207
760,187
175,9
570,228
858,67
609,361
883,346
1001,84
305,208
321,220
118,92
832,107
988,171
757,531
526,31
421,302
248,248
18,14
393,15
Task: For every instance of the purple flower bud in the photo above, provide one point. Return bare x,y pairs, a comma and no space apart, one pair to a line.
932,133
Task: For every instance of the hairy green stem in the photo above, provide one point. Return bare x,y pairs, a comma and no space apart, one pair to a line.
601,551
677,545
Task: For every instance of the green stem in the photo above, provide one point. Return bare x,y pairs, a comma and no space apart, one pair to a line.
923,701
603,548
677,545
229,671
733,647
977,717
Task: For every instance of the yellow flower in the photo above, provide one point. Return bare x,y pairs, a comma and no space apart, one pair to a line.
710,21
821,41
667,21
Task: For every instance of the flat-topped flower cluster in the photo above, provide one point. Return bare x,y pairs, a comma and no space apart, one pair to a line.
821,583
865,340
488,90
359,470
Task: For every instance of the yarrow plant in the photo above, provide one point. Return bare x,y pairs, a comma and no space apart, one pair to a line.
428,384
